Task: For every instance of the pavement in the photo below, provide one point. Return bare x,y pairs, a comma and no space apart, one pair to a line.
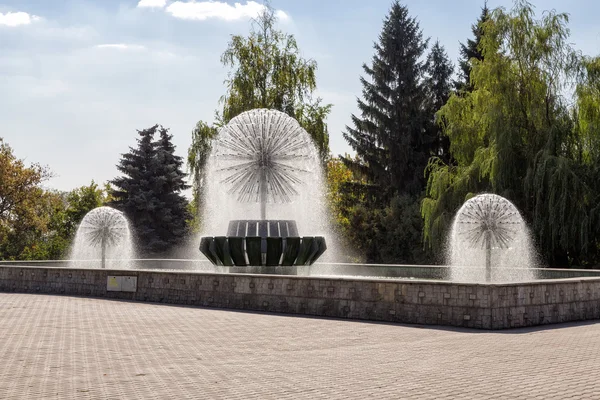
59,347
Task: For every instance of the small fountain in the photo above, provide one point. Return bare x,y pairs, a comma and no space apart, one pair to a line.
489,242
262,157
103,235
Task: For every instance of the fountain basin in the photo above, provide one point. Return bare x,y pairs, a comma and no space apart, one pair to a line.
483,306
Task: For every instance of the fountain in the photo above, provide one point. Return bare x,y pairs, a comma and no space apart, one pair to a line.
103,235
492,285
261,157
489,242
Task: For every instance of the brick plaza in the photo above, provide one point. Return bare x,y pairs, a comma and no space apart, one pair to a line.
59,347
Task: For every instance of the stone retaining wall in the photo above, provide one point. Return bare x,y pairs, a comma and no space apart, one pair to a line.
493,306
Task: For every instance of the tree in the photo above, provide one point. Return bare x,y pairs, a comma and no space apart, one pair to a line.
134,193
22,200
48,242
19,187
393,138
389,137
149,191
172,219
438,84
339,175
514,135
588,134
267,71
79,202
470,51
198,153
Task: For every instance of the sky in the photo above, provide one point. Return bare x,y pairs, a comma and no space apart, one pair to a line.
79,77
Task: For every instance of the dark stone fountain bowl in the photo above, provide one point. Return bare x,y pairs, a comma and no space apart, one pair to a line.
264,243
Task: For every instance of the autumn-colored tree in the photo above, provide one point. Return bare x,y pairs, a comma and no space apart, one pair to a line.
338,175
23,203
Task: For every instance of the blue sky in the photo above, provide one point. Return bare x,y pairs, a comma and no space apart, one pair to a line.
78,77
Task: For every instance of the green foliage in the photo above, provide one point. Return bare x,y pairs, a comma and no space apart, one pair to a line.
24,206
588,117
149,192
79,202
514,135
339,200
172,219
388,235
401,232
267,71
198,153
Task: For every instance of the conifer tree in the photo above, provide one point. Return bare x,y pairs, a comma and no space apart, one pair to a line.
393,140
149,191
439,86
170,182
389,137
134,194
471,50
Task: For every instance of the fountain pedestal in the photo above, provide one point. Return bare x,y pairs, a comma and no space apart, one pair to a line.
273,244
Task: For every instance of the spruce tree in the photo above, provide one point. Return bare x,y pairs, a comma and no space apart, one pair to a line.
471,50
439,86
393,140
389,137
149,192
134,193
170,182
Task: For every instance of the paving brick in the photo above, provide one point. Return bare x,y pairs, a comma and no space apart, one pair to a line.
60,347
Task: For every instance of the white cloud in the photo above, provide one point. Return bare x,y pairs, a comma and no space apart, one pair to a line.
120,46
152,3
281,15
13,19
203,10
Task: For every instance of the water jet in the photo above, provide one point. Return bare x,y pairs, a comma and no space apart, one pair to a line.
262,157
489,241
103,235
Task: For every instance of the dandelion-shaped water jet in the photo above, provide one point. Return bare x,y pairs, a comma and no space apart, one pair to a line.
488,222
104,230
262,156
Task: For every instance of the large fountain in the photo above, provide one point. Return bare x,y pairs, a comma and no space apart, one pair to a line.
490,242
103,239
265,161
492,283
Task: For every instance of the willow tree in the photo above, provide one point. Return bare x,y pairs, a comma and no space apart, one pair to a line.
267,71
198,154
514,134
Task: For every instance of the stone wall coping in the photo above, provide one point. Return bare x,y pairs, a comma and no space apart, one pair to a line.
23,263
403,281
